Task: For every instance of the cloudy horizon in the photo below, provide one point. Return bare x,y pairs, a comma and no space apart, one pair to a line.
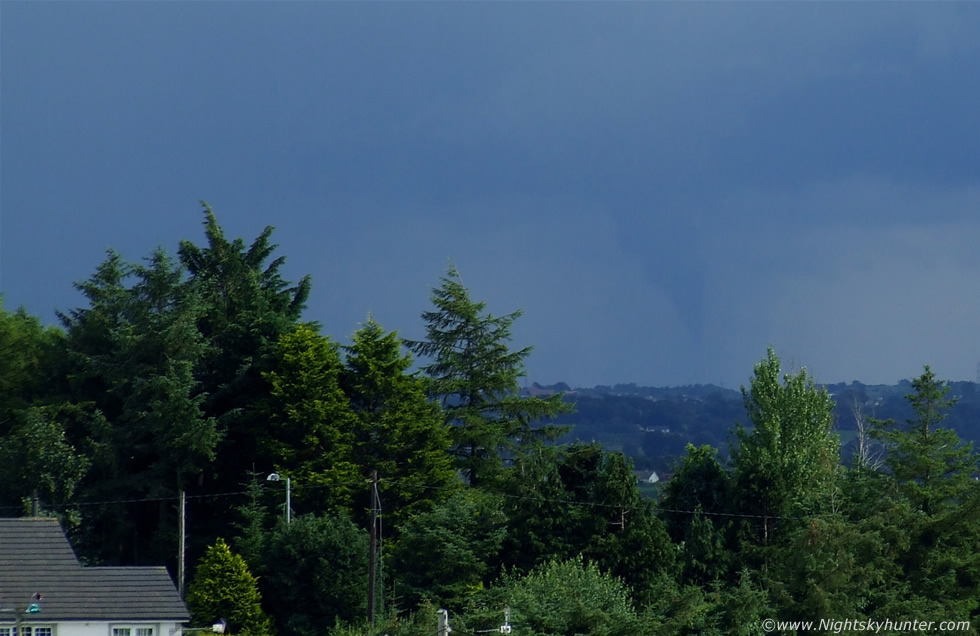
665,189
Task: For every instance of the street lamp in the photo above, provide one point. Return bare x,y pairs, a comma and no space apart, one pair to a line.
31,608
278,477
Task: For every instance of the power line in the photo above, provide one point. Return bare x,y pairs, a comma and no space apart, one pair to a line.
442,488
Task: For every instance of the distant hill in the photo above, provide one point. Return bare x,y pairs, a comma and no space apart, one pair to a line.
653,425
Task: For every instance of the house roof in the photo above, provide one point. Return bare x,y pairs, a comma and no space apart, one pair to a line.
35,556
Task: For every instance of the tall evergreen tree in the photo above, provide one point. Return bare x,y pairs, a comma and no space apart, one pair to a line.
475,375
133,353
929,462
247,306
933,474
398,431
310,433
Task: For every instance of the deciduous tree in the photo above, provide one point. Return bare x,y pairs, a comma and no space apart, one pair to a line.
786,464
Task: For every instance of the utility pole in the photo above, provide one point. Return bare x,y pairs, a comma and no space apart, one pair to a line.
289,504
181,537
373,546
444,628
289,489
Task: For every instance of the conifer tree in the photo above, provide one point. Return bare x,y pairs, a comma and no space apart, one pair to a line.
447,554
224,589
929,462
398,431
132,354
475,375
310,432
933,472
246,306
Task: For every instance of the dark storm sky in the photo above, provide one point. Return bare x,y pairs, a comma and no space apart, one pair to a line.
664,188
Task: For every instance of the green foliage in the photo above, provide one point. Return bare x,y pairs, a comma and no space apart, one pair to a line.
542,523
628,540
134,397
223,588
444,555
931,465
36,458
787,463
187,374
28,354
561,598
398,431
333,423
245,307
135,349
315,573
562,502
250,539
828,568
932,472
423,621
475,375
311,431
705,557
695,511
700,481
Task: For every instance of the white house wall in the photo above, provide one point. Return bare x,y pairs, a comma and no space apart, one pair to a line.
96,628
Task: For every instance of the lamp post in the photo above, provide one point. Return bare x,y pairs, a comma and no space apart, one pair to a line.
278,477
31,608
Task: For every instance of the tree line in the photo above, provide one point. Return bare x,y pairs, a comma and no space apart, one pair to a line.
196,374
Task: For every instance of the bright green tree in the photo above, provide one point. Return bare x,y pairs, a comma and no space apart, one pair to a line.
560,598
36,455
27,360
787,463
36,459
475,375
398,431
224,589
310,431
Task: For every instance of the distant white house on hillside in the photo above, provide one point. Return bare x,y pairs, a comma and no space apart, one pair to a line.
643,476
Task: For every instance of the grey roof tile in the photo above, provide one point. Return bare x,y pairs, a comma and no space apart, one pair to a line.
35,556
